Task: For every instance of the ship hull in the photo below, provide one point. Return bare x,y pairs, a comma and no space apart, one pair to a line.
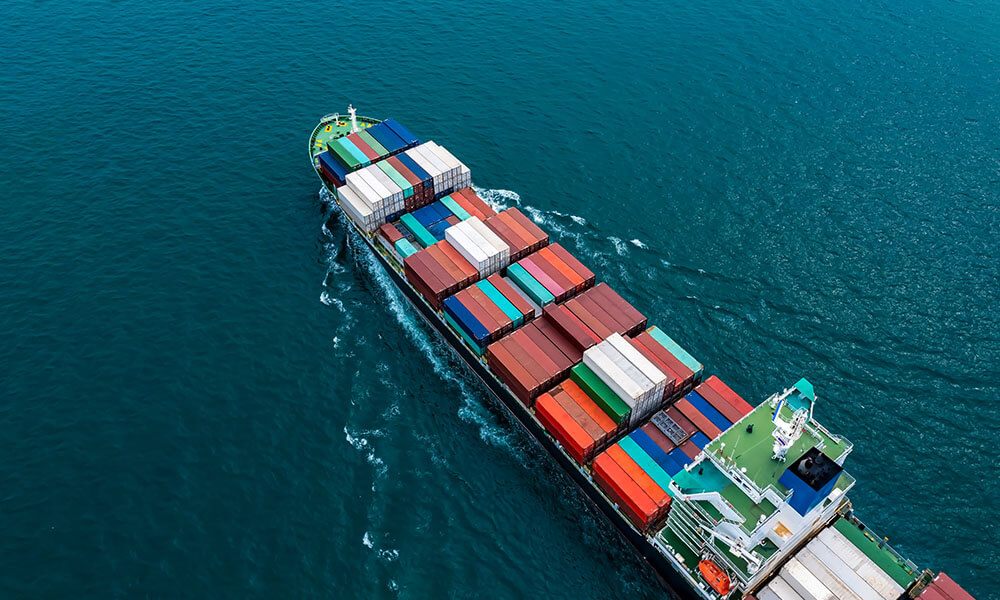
668,575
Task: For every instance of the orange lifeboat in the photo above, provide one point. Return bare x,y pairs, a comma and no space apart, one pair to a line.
715,576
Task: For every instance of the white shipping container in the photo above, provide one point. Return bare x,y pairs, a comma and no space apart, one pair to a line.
436,172
448,176
454,167
861,564
360,187
467,248
767,594
825,575
395,192
636,358
842,570
381,193
370,189
784,591
805,583
356,210
610,374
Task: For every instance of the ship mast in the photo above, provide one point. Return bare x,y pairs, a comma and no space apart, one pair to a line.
354,117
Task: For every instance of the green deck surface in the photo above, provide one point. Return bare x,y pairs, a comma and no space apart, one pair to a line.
752,451
887,560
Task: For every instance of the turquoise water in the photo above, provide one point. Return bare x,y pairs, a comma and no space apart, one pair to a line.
206,395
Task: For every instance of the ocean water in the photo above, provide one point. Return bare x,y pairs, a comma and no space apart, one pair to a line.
208,394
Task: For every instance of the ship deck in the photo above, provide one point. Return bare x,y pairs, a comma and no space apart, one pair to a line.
335,128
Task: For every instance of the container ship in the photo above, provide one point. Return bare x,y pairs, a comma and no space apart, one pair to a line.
723,499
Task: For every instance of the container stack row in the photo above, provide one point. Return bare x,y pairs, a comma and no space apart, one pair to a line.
520,233
479,245
713,407
472,204
429,222
658,449
583,427
616,403
638,495
547,277
629,374
486,311
357,150
438,271
667,354
532,359
605,312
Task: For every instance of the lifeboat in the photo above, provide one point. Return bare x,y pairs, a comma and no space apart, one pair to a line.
715,576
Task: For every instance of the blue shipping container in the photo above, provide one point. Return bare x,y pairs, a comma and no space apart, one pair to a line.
437,229
441,209
403,133
654,451
700,439
333,166
412,165
709,411
464,318
387,138
427,216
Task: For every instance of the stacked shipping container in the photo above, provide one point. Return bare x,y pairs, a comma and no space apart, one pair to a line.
479,245
520,233
633,378
438,271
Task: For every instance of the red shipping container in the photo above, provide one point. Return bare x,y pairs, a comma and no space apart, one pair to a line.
471,275
498,315
576,281
684,375
613,479
691,449
595,307
530,243
581,418
511,371
588,319
719,403
658,438
534,231
634,319
700,421
633,470
586,403
469,207
390,233
554,274
729,395
363,146
687,426
518,247
563,343
549,349
570,326
573,263
482,210
562,427
529,351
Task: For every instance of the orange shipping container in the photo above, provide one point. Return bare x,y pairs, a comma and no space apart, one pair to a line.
613,479
557,421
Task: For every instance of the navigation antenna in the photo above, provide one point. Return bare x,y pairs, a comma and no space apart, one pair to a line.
354,117
787,432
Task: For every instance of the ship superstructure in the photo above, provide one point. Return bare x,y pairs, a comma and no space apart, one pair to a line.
723,499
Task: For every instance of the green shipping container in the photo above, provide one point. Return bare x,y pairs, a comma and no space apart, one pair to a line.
503,303
600,393
419,231
404,248
472,344
655,471
396,178
529,285
681,354
342,153
455,208
373,143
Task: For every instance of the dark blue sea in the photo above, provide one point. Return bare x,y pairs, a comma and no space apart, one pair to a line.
205,393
